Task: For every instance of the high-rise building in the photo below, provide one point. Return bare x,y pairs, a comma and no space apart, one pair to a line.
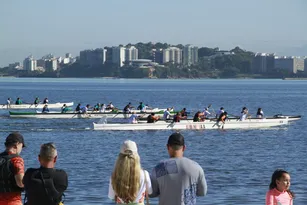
131,53
190,55
157,56
95,57
263,63
118,56
51,65
290,64
29,64
173,55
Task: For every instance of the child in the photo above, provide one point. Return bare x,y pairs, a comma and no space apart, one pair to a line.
279,193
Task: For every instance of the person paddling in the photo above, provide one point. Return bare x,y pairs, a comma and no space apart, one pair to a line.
36,101
260,113
167,114
46,101
244,113
198,117
133,119
152,118
18,101
45,109
219,112
127,108
78,108
183,113
177,117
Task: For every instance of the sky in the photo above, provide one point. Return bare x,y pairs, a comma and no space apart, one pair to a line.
67,26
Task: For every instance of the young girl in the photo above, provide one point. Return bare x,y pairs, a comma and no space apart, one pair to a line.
279,193
129,184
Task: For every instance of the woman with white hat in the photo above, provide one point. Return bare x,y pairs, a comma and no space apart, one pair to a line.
129,183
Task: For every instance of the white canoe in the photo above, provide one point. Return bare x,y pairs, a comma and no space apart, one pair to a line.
59,115
39,106
186,124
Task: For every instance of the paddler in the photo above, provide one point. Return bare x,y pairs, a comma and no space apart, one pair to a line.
36,101
167,114
222,117
110,106
259,113
177,117
45,109
198,117
127,108
103,108
46,101
183,113
18,101
206,113
244,113
152,118
133,118
141,106
78,108
96,107
85,109
8,103
64,108
218,113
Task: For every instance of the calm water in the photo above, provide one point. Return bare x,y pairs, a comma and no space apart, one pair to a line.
238,164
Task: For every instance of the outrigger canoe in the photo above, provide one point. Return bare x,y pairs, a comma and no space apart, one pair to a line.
38,106
94,114
190,125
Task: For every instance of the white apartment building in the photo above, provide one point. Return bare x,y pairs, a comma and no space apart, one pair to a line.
173,55
190,55
119,56
131,53
29,64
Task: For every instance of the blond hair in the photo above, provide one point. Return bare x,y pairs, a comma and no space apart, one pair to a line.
126,177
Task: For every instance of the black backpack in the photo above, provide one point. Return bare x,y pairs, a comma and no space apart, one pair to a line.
7,178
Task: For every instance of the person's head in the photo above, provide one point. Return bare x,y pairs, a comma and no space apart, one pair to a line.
48,155
79,104
126,173
88,105
184,109
129,103
221,108
175,145
281,181
14,143
259,109
168,109
152,114
225,113
18,98
64,105
141,103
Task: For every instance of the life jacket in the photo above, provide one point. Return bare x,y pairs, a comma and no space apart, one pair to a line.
7,177
41,188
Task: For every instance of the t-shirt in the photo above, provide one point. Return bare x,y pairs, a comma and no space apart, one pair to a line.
13,197
133,119
141,194
275,197
166,114
177,181
37,195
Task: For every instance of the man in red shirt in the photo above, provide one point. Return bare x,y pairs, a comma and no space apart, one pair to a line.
11,170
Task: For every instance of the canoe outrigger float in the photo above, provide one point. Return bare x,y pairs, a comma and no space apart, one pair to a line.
93,114
33,106
206,125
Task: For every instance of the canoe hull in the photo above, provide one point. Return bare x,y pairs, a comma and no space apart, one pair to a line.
187,125
39,106
57,115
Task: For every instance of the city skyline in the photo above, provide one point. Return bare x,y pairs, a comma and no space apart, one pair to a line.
36,28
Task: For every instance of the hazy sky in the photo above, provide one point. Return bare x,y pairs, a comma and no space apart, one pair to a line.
39,27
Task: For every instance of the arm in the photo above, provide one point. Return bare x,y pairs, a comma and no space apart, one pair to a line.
148,183
269,199
201,184
154,184
18,170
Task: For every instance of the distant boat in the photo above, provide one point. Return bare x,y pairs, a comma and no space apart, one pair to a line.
33,106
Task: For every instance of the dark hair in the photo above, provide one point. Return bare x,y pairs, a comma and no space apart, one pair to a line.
276,176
